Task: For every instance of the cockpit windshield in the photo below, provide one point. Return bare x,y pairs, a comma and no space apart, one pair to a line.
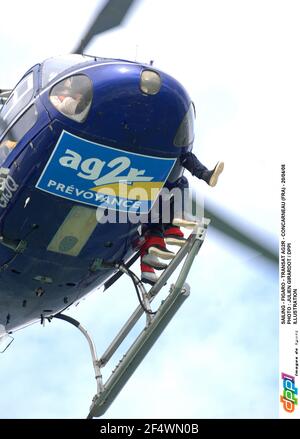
54,66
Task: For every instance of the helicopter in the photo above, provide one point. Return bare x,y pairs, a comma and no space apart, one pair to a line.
41,206
53,176
59,164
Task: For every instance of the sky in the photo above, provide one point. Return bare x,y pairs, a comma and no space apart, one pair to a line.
218,358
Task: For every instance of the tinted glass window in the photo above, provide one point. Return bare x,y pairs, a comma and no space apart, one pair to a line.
16,132
185,133
4,95
18,99
54,66
73,97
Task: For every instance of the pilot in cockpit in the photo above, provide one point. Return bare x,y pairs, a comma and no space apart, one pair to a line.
67,96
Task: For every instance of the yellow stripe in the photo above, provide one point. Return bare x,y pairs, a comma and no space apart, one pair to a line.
74,232
139,190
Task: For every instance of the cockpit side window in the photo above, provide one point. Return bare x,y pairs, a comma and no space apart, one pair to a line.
16,132
185,133
18,99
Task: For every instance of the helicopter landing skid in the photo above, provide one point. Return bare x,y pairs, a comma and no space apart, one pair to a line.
155,323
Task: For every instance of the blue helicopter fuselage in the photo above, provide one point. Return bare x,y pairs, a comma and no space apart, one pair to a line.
132,129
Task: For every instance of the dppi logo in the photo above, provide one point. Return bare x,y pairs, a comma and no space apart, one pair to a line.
288,397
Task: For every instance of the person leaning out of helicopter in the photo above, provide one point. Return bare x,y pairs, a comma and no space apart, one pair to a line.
157,235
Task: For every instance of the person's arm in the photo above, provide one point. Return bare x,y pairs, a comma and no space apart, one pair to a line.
67,106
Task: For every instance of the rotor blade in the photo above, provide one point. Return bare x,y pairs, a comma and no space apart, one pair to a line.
236,233
240,236
109,17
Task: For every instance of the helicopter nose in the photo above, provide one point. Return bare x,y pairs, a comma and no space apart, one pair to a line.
138,108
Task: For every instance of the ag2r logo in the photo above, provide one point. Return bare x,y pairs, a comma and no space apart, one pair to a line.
91,169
